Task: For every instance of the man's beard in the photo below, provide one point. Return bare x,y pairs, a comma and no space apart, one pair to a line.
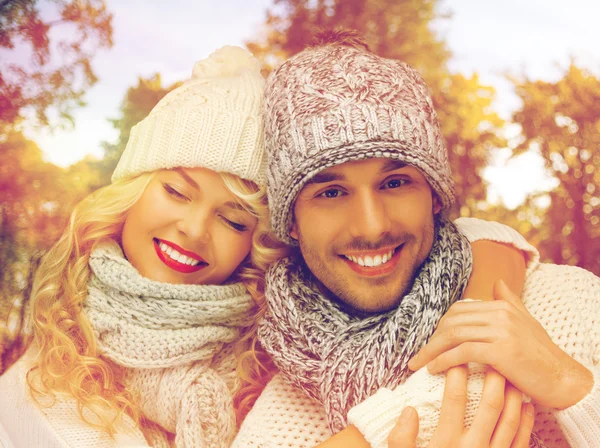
337,287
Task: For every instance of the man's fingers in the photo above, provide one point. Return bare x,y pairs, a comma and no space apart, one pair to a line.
525,428
490,408
404,433
454,402
510,419
463,354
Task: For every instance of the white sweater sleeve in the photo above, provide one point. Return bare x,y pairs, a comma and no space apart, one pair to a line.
580,423
283,416
376,416
478,229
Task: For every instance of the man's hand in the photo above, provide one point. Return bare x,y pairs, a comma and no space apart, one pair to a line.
505,336
502,421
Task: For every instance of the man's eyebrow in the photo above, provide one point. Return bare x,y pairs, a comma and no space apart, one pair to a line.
392,165
187,178
322,178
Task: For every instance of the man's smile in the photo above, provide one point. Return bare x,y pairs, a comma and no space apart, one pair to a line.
373,263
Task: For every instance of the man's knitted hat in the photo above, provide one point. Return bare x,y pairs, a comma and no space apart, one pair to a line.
214,120
336,103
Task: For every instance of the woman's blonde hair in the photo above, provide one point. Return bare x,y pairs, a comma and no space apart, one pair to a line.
69,361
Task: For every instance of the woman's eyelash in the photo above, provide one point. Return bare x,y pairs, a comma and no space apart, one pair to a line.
173,192
235,225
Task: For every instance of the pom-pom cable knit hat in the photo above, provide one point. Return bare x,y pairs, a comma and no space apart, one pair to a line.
214,120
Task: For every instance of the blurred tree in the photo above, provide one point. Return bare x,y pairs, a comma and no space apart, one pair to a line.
37,197
137,104
561,120
35,202
394,29
62,36
404,30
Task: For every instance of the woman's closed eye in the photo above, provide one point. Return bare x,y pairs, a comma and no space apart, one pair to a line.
173,192
235,225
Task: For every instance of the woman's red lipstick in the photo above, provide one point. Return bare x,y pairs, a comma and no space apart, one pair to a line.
174,264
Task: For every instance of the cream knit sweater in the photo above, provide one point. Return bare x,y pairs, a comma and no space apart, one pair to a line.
282,417
564,299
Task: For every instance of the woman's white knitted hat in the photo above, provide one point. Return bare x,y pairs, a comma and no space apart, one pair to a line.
214,120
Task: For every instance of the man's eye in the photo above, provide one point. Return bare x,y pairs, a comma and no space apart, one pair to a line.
332,193
394,183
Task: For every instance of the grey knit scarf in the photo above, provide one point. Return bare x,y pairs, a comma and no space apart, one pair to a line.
176,342
340,358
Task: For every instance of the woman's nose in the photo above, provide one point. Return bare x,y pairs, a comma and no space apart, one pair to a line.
195,225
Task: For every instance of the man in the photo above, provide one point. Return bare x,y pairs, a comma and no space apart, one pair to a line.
359,180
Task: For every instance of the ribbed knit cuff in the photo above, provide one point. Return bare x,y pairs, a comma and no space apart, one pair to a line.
580,423
376,416
478,229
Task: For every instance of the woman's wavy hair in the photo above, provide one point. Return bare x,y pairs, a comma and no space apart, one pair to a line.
69,361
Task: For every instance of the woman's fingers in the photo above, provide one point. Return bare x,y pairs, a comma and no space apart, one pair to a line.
464,353
454,403
476,321
445,339
404,433
525,428
510,419
489,410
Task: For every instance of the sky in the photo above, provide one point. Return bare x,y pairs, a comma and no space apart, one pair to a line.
535,38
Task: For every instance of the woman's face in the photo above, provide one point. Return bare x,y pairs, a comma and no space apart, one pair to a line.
187,228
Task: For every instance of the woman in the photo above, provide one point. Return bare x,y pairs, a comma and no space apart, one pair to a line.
140,311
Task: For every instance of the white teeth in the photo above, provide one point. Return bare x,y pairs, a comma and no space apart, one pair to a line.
177,256
371,261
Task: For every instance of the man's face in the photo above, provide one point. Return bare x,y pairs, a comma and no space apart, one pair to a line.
364,229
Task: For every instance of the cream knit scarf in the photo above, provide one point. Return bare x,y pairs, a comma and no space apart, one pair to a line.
340,358
176,342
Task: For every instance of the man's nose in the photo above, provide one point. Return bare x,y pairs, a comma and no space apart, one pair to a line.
370,217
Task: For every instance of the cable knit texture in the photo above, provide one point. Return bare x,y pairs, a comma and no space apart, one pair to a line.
340,357
169,335
564,299
336,103
214,120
